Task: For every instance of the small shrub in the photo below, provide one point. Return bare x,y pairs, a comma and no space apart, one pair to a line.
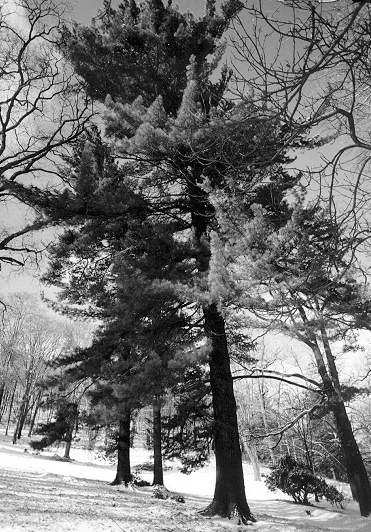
58,430
160,492
146,466
333,495
139,482
101,455
298,481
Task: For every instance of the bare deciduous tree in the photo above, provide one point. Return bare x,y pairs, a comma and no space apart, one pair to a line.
308,62
42,108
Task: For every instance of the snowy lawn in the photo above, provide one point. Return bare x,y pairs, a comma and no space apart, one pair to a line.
41,493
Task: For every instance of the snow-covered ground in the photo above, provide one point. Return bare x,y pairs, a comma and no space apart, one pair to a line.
42,493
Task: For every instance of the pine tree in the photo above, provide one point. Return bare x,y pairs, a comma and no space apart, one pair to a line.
297,480
185,149
191,161
60,429
188,428
112,405
144,324
314,281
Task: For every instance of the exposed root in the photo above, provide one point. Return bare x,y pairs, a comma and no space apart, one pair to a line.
243,516
119,482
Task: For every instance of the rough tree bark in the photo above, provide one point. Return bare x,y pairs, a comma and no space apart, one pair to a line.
23,411
158,475
356,471
355,467
229,496
123,472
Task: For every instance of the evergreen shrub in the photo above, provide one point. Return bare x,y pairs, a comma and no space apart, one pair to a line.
297,480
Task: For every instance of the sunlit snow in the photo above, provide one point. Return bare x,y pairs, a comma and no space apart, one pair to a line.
44,493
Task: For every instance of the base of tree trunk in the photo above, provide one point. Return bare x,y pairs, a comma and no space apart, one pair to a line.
357,474
120,481
158,474
241,514
229,498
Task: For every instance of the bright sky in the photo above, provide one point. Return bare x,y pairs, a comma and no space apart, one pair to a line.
84,10
12,214
14,13
27,279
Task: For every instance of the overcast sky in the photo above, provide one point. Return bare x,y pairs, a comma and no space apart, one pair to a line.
27,279
85,10
82,11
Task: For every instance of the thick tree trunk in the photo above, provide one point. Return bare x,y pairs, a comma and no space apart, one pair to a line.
158,475
356,470
229,495
123,473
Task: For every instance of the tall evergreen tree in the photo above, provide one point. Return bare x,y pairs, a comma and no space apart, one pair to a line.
113,405
144,323
184,148
61,428
191,158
